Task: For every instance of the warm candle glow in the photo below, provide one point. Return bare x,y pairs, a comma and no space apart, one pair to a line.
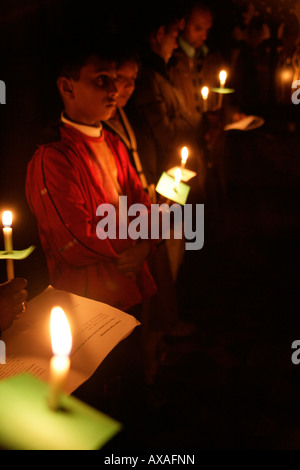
184,155
61,337
204,92
223,77
178,176
7,218
8,243
287,76
61,340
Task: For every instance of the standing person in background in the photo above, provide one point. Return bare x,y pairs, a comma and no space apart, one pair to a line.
160,103
160,314
193,65
119,123
164,113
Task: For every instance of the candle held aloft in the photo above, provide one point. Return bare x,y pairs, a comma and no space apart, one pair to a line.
61,339
223,78
184,156
8,244
204,93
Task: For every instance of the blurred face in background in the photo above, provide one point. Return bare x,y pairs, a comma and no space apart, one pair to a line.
169,41
126,77
197,27
164,41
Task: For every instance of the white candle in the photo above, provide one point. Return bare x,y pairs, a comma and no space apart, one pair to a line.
61,339
204,93
178,176
184,156
8,244
223,78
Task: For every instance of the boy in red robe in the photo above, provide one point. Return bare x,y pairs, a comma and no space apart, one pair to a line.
66,182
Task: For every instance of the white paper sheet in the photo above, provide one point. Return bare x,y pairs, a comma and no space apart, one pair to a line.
96,329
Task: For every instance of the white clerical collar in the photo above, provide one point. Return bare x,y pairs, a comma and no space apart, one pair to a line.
90,131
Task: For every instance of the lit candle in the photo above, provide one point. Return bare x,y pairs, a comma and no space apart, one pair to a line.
8,244
223,78
61,339
178,176
184,156
204,93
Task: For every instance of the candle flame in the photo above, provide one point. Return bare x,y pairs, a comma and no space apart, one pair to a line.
223,77
7,218
178,176
204,92
184,155
61,337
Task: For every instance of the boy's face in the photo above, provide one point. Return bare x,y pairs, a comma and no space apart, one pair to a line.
93,97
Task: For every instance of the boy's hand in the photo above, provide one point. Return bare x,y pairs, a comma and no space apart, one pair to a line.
131,260
13,295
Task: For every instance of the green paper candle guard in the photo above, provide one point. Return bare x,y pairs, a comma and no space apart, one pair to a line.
36,415
172,188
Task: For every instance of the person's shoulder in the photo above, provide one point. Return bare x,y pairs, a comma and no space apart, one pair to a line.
177,56
53,155
52,149
110,136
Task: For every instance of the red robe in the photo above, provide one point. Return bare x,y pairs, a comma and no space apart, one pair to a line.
64,189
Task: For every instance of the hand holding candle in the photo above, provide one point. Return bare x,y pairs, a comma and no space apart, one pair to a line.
61,339
8,244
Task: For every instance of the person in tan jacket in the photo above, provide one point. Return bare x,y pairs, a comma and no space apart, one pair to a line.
161,104
192,65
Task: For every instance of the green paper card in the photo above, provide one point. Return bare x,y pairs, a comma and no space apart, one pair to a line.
165,187
27,423
17,254
223,91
